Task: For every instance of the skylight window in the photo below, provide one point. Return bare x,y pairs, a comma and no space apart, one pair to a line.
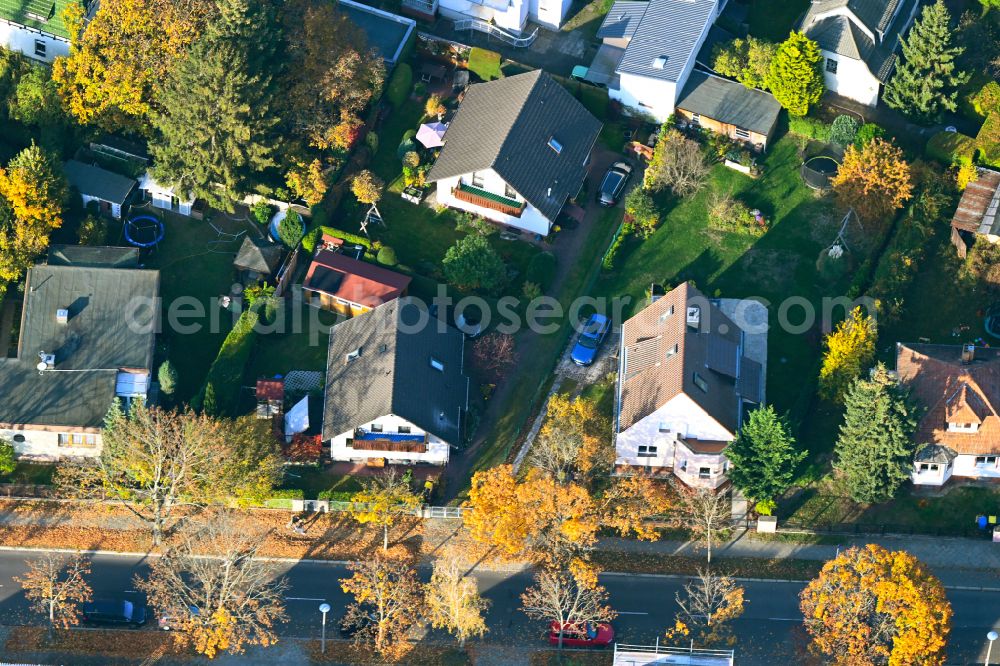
555,145
659,62
350,356
437,365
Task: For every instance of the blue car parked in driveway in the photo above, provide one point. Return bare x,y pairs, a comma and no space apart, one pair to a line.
589,341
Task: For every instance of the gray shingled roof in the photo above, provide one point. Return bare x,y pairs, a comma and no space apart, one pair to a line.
874,14
258,254
97,182
622,19
669,30
841,35
107,330
729,102
392,373
506,125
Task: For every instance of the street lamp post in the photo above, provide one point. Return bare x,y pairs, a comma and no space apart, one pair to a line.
324,608
992,636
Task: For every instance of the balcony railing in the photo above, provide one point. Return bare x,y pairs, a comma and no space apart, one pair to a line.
367,440
425,7
485,199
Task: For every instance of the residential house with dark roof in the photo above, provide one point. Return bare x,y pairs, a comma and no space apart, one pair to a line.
976,215
958,387
36,28
349,286
649,50
395,387
859,40
689,370
86,337
516,151
727,107
110,190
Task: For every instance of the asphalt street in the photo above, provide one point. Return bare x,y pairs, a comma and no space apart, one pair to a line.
769,631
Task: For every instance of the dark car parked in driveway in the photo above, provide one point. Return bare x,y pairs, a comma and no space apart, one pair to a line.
114,612
614,183
589,342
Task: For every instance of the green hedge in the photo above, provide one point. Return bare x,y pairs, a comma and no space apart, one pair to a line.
225,376
988,140
541,269
400,83
811,128
311,239
336,495
951,148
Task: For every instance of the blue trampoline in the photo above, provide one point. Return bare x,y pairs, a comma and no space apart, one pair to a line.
144,231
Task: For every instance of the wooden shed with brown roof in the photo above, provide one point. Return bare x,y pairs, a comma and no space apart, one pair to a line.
976,215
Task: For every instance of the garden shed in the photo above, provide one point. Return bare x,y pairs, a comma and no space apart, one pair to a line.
257,258
109,189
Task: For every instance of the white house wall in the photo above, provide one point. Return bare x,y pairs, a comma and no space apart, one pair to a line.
531,219
20,38
511,19
549,13
652,97
853,79
44,444
436,454
683,417
962,466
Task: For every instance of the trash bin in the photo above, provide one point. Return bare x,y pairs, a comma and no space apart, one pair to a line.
996,535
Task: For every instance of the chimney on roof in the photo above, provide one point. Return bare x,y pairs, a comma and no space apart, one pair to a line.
968,353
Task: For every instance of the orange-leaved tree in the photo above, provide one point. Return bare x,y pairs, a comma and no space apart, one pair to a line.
874,606
873,180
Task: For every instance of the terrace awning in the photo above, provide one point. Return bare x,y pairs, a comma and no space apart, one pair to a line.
431,135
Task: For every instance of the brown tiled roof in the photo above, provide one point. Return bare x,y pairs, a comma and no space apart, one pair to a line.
975,200
662,354
352,280
947,389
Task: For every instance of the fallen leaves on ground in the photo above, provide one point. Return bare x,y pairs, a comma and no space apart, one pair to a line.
108,643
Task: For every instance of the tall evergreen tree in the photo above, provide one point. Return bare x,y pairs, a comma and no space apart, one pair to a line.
795,77
763,456
926,82
875,446
216,133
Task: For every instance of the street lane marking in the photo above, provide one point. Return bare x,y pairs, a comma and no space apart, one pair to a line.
631,613
304,599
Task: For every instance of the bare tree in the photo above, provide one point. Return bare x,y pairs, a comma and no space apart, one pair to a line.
569,599
705,513
708,604
382,500
219,595
494,353
678,163
453,601
55,586
151,461
388,602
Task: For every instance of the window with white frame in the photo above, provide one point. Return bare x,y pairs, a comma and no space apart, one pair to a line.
376,427
704,472
41,48
683,466
963,427
646,451
672,351
664,426
403,430
986,461
742,134
509,191
831,65
696,119
77,439
928,467
478,180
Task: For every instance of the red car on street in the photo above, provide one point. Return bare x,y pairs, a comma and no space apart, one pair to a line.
587,634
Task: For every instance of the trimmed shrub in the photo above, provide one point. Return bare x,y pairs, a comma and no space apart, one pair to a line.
988,140
866,133
810,128
400,84
261,212
290,229
225,376
387,256
844,130
541,269
93,230
336,495
485,63
951,148
311,239
987,100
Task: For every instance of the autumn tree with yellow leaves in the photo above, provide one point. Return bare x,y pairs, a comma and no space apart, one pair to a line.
116,67
32,191
56,585
223,603
874,606
849,350
382,500
574,440
453,601
874,180
708,605
388,602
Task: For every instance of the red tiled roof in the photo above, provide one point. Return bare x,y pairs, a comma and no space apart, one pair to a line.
352,280
953,392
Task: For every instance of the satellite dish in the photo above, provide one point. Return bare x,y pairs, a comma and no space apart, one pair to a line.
42,366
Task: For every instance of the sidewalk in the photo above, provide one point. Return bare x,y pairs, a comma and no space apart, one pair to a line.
957,562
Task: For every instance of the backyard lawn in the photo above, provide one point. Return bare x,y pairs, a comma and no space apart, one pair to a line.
776,266
300,345
195,262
